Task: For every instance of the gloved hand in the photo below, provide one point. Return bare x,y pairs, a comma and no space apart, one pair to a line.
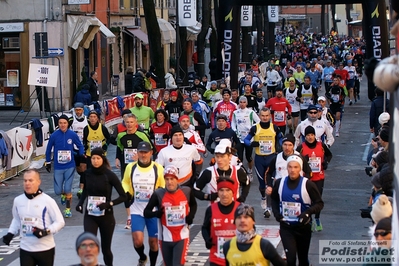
279,218
324,165
105,147
189,220
165,136
209,244
79,208
187,141
159,214
288,117
255,144
213,196
104,205
7,238
48,166
304,218
239,199
39,233
128,200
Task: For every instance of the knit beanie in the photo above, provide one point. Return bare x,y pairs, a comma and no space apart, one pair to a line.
85,236
188,100
176,129
384,134
381,158
64,117
97,151
289,137
384,224
226,91
309,130
382,208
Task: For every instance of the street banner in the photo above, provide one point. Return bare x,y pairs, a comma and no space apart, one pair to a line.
187,13
273,13
246,16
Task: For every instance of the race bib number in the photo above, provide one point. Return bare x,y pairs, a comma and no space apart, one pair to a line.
279,116
159,140
175,215
291,100
142,193
315,164
291,210
130,155
142,125
220,243
265,147
79,132
95,144
64,156
307,101
92,203
27,225
174,117
328,77
335,98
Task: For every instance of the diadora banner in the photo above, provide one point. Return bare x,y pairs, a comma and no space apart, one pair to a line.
187,13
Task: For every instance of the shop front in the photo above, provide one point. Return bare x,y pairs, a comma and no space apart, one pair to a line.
10,65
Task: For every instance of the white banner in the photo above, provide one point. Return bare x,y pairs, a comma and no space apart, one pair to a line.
246,16
187,13
273,13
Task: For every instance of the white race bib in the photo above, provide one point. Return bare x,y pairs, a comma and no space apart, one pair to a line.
279,116
92,202
143,192
27,225
64,157
95,144
159,140
315,164
129,155
174,117
220,243
291,210
175,215
265,147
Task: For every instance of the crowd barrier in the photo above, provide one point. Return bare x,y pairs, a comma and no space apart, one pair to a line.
25,149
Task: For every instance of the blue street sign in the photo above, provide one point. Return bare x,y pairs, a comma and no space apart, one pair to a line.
55,51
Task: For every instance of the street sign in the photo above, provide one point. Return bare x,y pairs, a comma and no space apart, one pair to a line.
43,75
55,51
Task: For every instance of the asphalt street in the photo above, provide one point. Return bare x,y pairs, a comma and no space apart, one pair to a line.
347,189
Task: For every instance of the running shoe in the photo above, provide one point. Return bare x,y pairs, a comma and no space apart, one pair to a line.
142,262
63,199
79,194
128,223
358,97
67,213
267,213
313,225
350,102
319,227
263,204
337,134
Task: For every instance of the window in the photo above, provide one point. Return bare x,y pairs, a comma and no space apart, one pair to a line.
10,42
122,4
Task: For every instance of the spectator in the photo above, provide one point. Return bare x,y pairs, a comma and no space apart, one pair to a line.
377,108
83,95
129,80
93,86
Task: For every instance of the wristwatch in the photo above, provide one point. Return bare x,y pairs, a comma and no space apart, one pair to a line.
111,204
206,196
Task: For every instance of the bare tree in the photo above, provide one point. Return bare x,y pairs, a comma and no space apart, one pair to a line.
154,35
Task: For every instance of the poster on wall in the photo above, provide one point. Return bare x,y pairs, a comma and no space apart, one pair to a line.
12,78
9,99
21,140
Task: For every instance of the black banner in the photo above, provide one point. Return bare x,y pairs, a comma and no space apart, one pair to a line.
376,33
229,41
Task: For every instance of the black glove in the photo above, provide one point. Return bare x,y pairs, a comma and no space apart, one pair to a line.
288,117
368,170
209,244
105,147
304,218
7,238
324,165
189,220
128,200
159,214
48,167
213,196
79,208
104,205
165,136
274,83
39,233
239,199
255,144
187,141
279,218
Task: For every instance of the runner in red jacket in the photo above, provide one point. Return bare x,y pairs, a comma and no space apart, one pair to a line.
278,106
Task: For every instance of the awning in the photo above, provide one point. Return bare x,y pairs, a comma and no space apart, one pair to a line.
139,34
82,29
193,31
168,33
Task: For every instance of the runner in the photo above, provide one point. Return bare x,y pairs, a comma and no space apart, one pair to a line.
140,180
221,132
327,75
266,140
336,98
216,233
160,130
278,106
176,208
308,96
293,96
191,135
223,107
350,83
319,157
294,200
174,108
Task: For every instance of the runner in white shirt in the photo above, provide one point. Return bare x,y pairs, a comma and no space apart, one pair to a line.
181,156
293,97
243,120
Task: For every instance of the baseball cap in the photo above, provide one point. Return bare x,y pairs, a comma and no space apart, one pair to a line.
79,105
139,95
173,93
144,146
321,98
223,146
319,108
312,107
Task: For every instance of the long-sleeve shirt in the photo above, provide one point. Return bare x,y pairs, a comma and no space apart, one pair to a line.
322,132
278,106
42,212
